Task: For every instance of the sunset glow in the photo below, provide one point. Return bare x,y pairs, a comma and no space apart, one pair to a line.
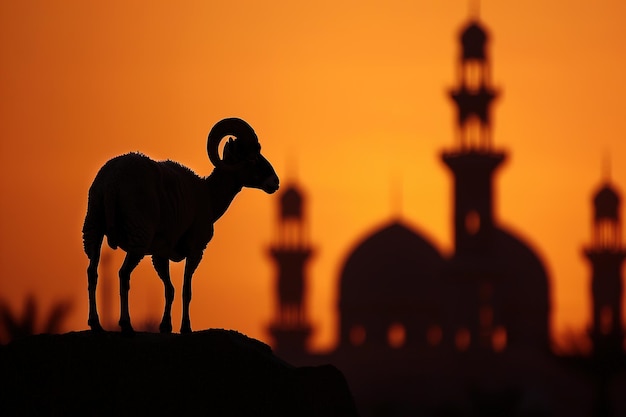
349,100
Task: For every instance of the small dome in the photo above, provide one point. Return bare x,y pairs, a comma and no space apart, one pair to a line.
394,265
389,287
606,203
291,203
473,40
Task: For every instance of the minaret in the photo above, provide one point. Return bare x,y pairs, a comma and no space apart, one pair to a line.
473,159
291,251
606,255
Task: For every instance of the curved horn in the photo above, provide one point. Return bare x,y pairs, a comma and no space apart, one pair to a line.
228,127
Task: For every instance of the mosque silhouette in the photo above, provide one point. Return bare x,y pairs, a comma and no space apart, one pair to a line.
421,333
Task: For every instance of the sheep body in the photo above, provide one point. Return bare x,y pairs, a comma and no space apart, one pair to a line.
149,207
165,210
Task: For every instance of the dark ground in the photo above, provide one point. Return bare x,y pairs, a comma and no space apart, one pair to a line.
212,372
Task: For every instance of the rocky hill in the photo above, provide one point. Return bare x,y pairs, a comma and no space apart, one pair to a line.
212,373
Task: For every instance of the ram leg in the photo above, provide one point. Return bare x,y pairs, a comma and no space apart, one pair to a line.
130,262
92,280
162,266
190,266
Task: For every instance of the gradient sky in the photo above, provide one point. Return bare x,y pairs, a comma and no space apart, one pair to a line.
348,99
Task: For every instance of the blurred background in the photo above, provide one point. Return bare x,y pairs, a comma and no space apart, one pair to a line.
350,101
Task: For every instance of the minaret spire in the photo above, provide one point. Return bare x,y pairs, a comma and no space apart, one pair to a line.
473,159
606,167
396,195
474,93
474,9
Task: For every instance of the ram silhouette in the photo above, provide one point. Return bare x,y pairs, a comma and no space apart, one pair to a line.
165,210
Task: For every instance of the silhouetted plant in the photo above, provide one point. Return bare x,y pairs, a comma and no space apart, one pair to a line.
14,326
165,210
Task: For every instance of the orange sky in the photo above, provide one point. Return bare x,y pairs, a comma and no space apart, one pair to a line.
348,98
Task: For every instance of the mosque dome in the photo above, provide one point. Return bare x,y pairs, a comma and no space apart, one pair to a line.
390,277
525,290
523,265
518,287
